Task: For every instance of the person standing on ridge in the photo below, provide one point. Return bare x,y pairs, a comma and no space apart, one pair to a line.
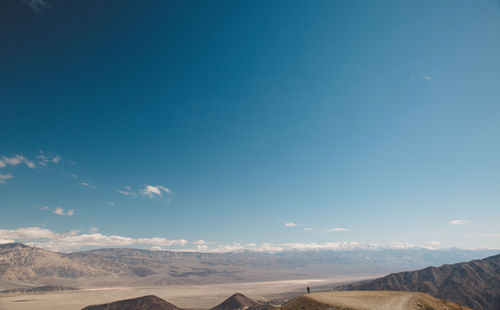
308,290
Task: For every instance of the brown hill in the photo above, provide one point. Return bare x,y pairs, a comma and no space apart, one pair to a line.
149,302
475,283
237,301
364,300
19,262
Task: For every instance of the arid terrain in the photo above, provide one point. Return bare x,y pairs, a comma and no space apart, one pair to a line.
357,300
36,278
24,267
370,300
475,283
190,297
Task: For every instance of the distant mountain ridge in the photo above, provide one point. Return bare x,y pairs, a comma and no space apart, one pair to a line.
23,266
475,284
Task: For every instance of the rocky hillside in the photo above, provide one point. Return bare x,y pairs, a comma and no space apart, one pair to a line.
150,302
23,266
475,283
237,301
316,301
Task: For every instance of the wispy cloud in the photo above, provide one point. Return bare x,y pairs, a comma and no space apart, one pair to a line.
74,240
435,243
127,192
37,5
85,184
458,222
58,210
290,224
43,160
150,191
16,160
426,77
338,229
4,178
422,76
154,191
307,229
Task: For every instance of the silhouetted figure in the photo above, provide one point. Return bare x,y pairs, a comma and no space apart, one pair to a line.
308,290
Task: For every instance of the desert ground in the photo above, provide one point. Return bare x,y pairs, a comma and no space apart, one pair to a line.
189,297
370,300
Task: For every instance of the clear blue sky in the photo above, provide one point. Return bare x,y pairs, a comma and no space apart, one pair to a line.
358,121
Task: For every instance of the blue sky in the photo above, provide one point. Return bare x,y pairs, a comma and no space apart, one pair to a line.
256,122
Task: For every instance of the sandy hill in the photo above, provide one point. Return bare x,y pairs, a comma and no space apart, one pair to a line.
369,300
150,302
475,284
237,301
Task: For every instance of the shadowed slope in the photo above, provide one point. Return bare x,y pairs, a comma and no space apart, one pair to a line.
237,301
475,283
150,302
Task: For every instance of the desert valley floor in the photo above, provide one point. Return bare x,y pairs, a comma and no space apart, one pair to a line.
191,297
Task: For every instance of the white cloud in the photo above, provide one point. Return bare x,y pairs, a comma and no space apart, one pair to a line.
4,178
127,193
307,229
338,229
59,211
94,229
290,224
434,243
154,191
85,184
151,191
19,159
458,222
426,77
402,245
73,240
16,160
274,248
43,160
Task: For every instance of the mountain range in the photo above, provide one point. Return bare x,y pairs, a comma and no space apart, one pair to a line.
475,283
23,266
